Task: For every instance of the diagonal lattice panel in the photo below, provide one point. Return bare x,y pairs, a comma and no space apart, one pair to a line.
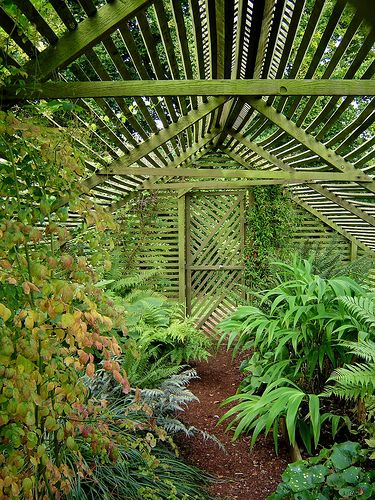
215,239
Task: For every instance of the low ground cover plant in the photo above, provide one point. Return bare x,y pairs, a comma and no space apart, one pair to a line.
335,473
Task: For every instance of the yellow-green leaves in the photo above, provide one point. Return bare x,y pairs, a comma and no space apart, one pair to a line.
5,313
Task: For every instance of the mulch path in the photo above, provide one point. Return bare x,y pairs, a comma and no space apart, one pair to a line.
241,473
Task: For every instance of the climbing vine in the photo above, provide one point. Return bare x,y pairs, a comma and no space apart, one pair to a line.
270,219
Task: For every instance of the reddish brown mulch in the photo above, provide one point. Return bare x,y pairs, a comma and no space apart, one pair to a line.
241,474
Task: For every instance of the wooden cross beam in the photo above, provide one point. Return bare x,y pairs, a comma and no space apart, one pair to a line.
196,150
155,88
218,185
219,173
333,225
148,146
156,140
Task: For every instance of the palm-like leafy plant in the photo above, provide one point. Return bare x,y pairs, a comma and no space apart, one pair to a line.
294,337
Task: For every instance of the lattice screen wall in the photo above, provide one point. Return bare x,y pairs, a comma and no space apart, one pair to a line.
160,245
313,231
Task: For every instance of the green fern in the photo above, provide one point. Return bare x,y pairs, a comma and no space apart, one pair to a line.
356,380
327,260
181,339
125,285
362,309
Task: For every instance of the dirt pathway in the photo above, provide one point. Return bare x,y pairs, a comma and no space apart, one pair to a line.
242,474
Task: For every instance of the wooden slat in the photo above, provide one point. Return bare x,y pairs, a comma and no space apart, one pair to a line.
64,13
10,27
90,31
319,189
307,140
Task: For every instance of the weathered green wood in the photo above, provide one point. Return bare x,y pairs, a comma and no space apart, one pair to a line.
157,140
197,150
152,88
64,14
189,256
291,176
31,13
263,37
89,32
217,185
309,141
152,52
333,225
182,250
353,250
10,27
316,187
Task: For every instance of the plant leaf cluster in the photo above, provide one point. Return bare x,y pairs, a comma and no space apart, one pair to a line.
295,337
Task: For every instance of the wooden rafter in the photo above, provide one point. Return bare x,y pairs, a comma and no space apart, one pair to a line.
89,32
196,151
307,140
332,224
150,145
269,157
220,173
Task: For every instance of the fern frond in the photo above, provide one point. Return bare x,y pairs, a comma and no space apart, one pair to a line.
362,309
133,281
358,379
364,349
353,381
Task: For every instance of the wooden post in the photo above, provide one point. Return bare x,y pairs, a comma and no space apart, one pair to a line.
188,257
353,251
182,249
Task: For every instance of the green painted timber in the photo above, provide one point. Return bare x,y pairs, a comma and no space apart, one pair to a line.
148,146
309,141
333,225
218,185
220,173
259,150
89,32
156,88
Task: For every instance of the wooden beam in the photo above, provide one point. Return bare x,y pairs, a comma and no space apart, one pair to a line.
182,251
307,140
155,141
89,32
217,185
353,251
220,173
333,225
316,187
197,150
152,88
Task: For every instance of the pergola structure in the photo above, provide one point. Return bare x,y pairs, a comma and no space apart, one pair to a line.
281,90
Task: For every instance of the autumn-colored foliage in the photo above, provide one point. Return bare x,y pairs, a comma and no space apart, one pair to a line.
55,323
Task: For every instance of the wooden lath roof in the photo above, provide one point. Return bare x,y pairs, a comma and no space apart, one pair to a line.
165,81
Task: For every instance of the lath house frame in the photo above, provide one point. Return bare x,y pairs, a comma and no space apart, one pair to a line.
283,87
